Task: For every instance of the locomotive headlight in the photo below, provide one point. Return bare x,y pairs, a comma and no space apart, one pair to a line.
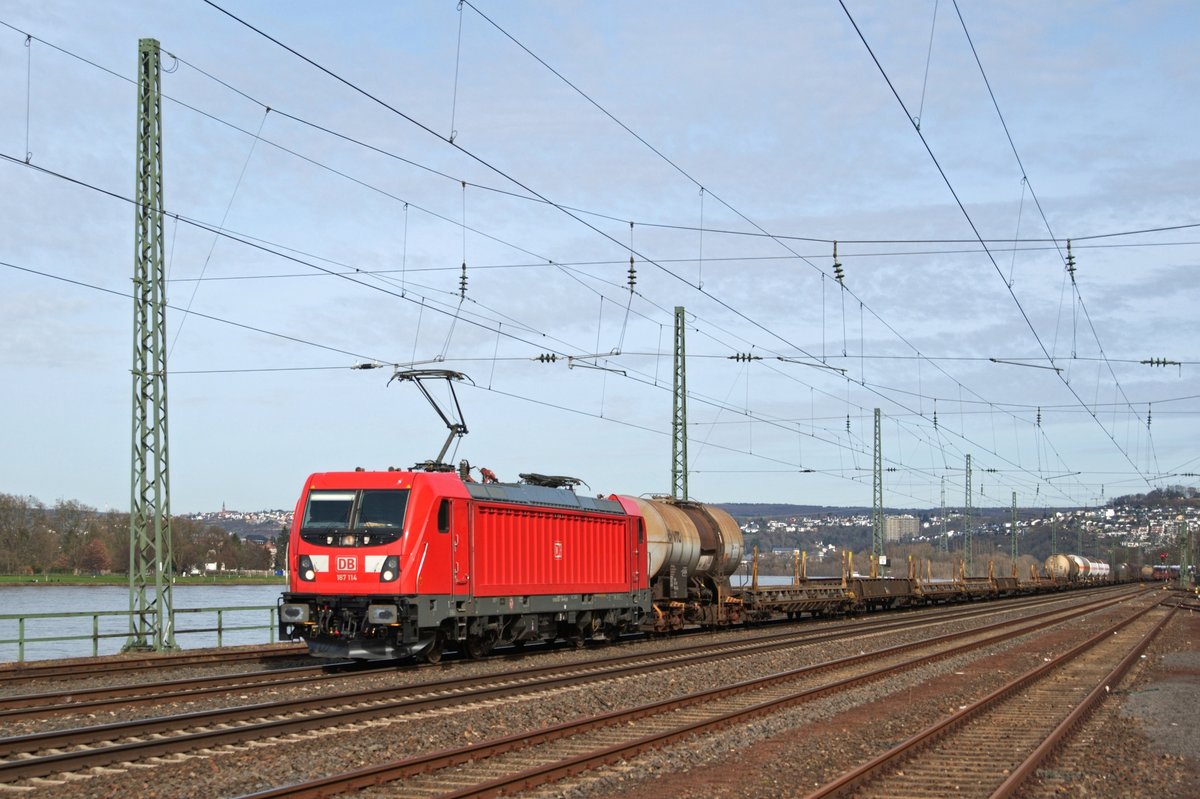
348,540
390,570
382,614
294,613
307,572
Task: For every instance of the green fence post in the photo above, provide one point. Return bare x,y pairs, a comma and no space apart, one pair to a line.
21,639
219,626
95,635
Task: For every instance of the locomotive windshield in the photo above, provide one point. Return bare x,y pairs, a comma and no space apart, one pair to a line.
354,518
328,510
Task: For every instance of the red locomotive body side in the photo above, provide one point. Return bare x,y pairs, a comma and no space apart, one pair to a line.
523,550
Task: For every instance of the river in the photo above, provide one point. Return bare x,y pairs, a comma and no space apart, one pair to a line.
20,600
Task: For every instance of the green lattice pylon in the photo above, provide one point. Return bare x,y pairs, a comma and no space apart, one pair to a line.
679,464
151,613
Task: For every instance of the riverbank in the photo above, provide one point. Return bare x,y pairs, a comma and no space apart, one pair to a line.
123,579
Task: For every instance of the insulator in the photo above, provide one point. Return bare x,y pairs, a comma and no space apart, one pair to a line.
1070,261
547,357
1039,417
935,419
847,423
632,274
462,281
745,357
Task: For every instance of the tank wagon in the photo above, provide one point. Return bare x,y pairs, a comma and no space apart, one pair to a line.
399,563
1075,568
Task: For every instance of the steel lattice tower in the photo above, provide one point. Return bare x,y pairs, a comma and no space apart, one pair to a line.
877,494
1014,529
1185,550
152,618
967,521
945,542
679,459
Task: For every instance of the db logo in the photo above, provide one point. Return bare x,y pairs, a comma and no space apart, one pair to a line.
347,564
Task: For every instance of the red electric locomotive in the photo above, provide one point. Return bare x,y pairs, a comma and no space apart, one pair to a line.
402,563
387,564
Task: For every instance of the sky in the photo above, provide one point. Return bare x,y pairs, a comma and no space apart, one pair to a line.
328,171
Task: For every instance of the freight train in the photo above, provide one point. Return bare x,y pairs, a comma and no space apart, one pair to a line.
389,564
396,563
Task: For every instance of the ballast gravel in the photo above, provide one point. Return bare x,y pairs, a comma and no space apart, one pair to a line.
748,756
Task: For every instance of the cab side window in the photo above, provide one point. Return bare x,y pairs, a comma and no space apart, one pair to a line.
443,516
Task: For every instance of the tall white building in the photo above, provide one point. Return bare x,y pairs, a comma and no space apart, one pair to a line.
898,527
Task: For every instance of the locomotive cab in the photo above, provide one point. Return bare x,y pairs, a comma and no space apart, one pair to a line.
360,544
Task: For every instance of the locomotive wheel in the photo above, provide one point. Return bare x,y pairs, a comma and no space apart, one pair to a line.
433,652
478,646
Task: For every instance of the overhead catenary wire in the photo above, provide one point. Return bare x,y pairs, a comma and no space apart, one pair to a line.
945,178
1038,204
423,302
828,239
699,184
862,353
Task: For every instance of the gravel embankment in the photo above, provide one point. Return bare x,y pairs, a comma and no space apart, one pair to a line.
746,755
789,754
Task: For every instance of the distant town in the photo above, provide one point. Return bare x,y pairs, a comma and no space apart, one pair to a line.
72,538
1138,529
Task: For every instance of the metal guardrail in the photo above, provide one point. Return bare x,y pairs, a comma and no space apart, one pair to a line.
23,639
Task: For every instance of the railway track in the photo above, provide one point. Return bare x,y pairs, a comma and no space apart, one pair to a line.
992,746
677,715
77,701
519,762
23,673
29,760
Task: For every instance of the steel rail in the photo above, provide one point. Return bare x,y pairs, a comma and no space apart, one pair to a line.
856,777
1059,735
383,702
93,666
389,772
23,706
74,701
